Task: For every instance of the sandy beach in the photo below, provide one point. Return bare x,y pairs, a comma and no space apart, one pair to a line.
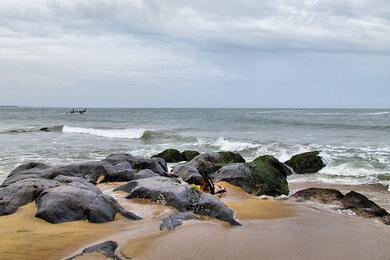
271,229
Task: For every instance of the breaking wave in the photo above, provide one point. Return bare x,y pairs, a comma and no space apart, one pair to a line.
228,145
109,133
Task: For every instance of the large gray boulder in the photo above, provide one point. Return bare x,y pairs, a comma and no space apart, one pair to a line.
157,165
205,164
20,193
183,197
78,199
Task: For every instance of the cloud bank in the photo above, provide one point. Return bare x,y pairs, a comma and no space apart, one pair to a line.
173,53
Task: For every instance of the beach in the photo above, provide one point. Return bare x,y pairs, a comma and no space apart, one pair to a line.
273,225
271,229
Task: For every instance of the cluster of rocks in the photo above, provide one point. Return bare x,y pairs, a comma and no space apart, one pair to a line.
68,192
353,201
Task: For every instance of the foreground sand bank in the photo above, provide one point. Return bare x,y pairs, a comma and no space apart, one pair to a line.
271,229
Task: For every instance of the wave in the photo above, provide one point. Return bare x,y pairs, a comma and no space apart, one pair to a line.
228,145
377,113
18,130
109,133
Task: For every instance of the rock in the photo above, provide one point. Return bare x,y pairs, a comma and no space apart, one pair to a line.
20,193
229,157
122,172
309,162
188,173
77,199
170,156
273,164
88,170
326,196
188,155
263,176
385,219
56,128
171,192
362,206
107,249
139,163
176,219
204,164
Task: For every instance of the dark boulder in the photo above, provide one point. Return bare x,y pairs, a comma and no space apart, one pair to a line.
20,193
188,173
170,156
204,165
320,195
264,176
385,219
157,165
77,199
176,219
362,206
309,162
172,192
87,170
107,249
188,155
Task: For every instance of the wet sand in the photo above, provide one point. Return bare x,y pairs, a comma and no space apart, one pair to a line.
271,229
312,234
25,236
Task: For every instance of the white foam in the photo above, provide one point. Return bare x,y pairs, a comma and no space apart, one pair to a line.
377,113
228,145
109,133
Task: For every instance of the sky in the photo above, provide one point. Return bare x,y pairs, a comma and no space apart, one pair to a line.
203,53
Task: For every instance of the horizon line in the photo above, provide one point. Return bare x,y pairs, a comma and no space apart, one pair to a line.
124,107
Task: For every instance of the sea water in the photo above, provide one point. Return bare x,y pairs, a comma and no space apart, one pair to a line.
355,144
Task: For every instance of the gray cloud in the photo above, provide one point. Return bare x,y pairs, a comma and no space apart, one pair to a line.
174,46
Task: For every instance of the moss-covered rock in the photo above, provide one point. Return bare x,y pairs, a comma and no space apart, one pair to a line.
188,155
230,157
263,176
275,164
170,156
309,162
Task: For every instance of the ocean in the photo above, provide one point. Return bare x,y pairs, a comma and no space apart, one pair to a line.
355,144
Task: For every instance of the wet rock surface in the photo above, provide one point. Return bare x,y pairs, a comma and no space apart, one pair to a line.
317,194
176,219
67,192
304,163
107,249
170,156
172,192
188,155
354,201
77,199
264,176
205,164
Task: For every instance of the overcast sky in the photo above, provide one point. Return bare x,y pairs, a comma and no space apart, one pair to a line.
203,53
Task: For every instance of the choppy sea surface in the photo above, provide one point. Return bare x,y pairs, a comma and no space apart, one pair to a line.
354,143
